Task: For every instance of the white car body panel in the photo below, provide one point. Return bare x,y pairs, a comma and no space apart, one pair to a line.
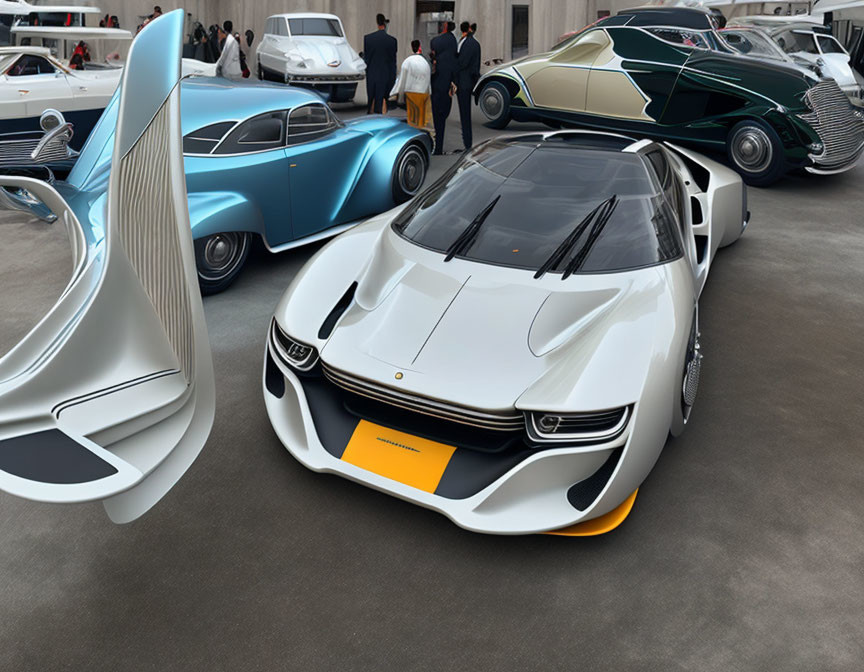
64,90
491,338
111,396
320,57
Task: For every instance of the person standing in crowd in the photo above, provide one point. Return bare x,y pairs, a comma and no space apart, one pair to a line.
379,52
467,75
80,56
415,83
228,65
157,12
227,29
444,60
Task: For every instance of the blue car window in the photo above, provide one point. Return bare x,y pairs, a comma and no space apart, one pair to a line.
258,134
204,140
310,122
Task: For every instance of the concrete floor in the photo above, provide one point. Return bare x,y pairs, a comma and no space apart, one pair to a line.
745,549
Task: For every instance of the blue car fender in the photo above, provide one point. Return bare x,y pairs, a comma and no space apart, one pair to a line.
222,211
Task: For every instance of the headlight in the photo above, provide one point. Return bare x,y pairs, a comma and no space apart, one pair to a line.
593,426
295,354
816,147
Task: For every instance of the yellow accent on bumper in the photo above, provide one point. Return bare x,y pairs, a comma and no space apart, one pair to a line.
605,523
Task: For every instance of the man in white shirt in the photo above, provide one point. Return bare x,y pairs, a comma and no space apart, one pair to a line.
228,65
415,84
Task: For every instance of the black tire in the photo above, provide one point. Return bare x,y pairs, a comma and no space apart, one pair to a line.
409,173
219,259
756,152
494,103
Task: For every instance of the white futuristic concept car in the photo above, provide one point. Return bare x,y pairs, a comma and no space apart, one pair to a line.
111,395
513,348
310,50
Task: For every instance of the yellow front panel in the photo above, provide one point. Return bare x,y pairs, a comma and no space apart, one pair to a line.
396,455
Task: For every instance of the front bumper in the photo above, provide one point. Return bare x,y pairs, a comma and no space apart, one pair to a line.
505,489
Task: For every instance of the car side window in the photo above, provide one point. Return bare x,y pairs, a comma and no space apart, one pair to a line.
31,65
204,140
282,27
829,45
310,122
672,191
258,134
687,38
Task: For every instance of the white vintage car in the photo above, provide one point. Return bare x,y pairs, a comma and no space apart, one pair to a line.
310,50
32,81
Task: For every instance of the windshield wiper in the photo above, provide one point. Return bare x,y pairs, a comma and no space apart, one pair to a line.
605,214
467,237
564,248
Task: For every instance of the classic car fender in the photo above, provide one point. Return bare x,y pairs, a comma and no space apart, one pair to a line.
373,189
223,211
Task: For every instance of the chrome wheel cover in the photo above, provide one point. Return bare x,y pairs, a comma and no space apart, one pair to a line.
411,171
752,149
492,102
220,254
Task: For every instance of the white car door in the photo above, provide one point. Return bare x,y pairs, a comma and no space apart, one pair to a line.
34,81
274,44
111,395
836,60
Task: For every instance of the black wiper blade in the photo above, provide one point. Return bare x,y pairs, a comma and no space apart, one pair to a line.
603,217
564,248
467,237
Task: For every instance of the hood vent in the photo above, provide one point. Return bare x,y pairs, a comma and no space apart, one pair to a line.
338,310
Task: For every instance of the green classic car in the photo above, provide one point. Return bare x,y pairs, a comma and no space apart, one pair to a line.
665,72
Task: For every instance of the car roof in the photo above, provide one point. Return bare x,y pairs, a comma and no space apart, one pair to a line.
39,51
211,100
577,139
304,15
696,18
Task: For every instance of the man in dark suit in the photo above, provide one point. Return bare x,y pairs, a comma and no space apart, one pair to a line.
444,65
379,52
467,75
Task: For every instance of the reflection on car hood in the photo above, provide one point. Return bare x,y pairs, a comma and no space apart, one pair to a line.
326,56
480,335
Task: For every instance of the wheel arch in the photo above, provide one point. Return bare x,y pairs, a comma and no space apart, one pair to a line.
223,212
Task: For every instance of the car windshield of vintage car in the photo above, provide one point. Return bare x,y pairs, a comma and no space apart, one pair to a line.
795,42
751,43
541,194
829,45
320,27
682,36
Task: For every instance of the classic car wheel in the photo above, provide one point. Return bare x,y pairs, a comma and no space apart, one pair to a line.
494,102
756,151
409,174
219,259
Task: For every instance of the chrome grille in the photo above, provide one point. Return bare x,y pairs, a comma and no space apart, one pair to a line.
502,422
17,152
839,128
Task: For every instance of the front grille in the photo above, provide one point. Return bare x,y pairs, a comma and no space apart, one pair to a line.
834,120
504,421
17,152
324,79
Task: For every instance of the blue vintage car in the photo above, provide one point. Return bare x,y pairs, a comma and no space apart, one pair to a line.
271,161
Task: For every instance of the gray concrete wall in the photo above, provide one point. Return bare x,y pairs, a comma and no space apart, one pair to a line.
548,19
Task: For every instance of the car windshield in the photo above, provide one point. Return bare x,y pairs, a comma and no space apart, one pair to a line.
530,196
325,27
752,43
829,45
794,42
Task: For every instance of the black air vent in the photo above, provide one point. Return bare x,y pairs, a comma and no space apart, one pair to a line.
340,307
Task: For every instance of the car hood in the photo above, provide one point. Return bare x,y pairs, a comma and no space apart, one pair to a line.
483,336
326,55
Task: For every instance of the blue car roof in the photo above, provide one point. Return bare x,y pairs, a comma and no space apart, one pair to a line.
210,100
